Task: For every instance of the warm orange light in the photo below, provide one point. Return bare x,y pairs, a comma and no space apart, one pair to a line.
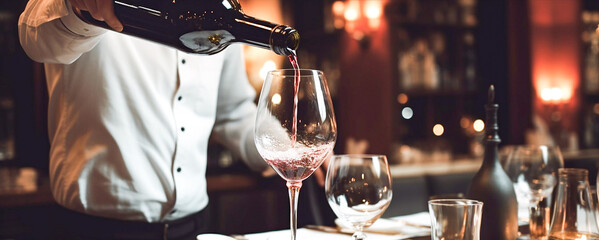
555,60
374,23
373,9
358,35
478,125
551,94
465,122
339,23
596,108
352,11
438,129
350,26
276,99
338,8
556,94
402,98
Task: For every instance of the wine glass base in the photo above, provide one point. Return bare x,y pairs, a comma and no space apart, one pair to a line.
527,237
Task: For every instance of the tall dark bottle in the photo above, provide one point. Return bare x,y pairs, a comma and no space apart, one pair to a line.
493,187
198,26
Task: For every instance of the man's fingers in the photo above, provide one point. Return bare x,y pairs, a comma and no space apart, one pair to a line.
92,8
101,10
106,9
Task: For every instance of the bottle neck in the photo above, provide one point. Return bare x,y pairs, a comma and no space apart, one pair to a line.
281,39
491,140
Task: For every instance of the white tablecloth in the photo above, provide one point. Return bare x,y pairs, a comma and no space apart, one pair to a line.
397,228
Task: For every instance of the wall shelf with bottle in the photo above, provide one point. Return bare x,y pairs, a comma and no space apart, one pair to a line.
589,74
435,44
434,48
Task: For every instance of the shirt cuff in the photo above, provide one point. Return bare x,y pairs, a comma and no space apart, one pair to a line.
74,24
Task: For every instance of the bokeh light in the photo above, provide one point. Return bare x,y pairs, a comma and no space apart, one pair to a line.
438,129
478,125
407,113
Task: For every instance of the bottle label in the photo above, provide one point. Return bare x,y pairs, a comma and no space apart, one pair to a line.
207,41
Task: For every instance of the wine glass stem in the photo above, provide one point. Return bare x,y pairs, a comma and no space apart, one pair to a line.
539,221
294,188
359,234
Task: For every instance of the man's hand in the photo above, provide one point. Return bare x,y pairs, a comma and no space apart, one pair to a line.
101,10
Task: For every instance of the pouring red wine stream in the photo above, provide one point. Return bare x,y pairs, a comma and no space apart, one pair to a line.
295,64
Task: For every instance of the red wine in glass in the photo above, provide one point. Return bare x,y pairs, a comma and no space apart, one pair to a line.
297,152
295,64
298,163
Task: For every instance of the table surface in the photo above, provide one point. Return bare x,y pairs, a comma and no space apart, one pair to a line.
413,226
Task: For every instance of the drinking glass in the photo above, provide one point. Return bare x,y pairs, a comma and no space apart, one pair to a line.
455,219
295,129
533,171
574,213
358,188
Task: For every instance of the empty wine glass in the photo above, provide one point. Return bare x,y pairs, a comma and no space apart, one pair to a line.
295,127
358,188
533,171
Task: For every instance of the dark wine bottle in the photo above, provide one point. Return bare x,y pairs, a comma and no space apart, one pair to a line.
198,26
493,187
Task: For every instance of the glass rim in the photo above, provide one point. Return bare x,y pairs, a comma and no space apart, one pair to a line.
291,72
536,146
577,171
455,202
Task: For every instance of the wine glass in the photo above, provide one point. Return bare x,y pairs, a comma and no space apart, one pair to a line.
295,127
358,188
533,171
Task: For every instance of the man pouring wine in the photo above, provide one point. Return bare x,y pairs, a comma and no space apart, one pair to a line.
129,119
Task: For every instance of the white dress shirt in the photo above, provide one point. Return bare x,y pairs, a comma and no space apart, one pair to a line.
129,120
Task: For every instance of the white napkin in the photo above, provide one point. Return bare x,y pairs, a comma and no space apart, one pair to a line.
307,234
416,219
410,225
395,228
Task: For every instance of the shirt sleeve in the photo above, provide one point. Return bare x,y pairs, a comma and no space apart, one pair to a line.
50,32
236,110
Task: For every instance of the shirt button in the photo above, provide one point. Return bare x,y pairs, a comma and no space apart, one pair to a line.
182,129
183,61
179,169
179,98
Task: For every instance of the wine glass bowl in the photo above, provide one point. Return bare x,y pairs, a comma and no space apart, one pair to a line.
358,189
533,171
295,128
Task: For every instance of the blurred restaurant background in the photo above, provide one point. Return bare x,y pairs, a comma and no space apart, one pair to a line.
408,78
